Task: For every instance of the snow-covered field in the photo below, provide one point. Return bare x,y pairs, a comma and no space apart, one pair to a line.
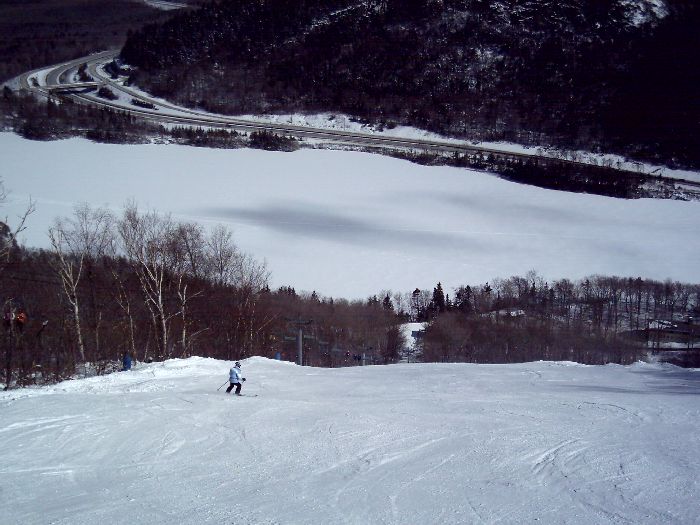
433,444
351,224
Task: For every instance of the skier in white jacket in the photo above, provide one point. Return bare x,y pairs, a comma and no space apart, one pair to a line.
235,378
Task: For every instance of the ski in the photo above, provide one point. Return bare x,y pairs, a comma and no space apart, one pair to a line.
243,395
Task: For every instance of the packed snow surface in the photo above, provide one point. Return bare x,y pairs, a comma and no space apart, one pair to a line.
427,443
350,224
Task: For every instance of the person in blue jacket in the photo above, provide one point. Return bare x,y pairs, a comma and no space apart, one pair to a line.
126,362
235,378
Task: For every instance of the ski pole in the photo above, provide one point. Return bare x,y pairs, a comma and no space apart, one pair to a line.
222,386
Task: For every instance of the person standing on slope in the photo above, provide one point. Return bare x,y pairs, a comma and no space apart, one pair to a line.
126,362
235,378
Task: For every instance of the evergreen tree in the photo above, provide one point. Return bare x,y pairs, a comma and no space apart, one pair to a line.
463,299
437,304
417,308
387,304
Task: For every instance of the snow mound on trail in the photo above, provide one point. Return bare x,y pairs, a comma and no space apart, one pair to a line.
146,377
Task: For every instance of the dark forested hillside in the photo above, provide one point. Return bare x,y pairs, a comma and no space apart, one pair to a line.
39,33
612,74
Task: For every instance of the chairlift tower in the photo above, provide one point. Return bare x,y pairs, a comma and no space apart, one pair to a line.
299,324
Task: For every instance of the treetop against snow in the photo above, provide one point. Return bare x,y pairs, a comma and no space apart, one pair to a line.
429,443
350,224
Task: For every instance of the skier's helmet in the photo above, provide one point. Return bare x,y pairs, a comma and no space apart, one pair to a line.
237,364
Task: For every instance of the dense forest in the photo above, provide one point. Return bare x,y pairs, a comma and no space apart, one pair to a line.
614,75
147,285
38,33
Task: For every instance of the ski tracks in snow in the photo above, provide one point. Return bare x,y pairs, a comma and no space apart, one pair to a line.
558,462
484,444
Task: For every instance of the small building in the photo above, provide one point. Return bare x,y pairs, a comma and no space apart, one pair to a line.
672,334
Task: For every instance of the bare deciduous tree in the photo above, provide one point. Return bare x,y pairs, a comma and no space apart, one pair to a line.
145,239
8,234
222,256
88,234
187,259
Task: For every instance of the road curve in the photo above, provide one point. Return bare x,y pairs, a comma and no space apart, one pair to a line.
167,113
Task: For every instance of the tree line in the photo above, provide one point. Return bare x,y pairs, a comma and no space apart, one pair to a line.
156,288
145,284
62,118
558,174
49,120
596,320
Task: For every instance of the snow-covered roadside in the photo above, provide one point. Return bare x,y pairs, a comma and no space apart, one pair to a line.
346,123
341,122
163,5
34,78
433,444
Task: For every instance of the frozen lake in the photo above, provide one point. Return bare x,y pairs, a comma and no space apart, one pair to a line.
352,224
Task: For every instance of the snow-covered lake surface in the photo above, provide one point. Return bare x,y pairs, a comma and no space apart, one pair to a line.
350,224
429,443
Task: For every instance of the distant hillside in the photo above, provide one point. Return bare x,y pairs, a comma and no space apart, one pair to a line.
621,75
39,33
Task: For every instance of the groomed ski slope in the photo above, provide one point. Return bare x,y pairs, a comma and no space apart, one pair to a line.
403,444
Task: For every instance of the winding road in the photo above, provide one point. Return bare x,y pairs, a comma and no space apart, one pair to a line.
46,80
